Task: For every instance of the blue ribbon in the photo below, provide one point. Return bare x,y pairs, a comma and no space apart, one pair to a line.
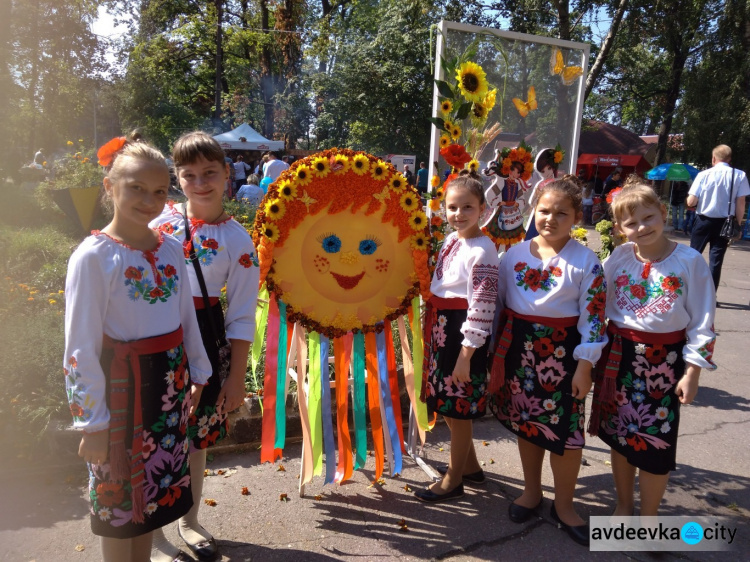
360,419
385,396
329,444
281,375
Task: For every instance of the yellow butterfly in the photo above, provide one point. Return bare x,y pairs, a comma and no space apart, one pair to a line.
524,107
568,74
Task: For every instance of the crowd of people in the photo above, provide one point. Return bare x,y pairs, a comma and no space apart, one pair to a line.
524,334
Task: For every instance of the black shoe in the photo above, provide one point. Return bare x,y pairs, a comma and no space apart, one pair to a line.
579,533
473,478
521,514
205,551
182,557
429,496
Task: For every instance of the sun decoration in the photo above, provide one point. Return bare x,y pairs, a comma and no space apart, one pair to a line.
472,81
362,268
343,247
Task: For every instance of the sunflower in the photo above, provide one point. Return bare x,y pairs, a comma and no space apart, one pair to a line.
321,167
379,170
409,202
448,125
287,191
275,209
435,204
417,220
478,114
472,81
360,164
446,106
445,140
441,193
271,231
419,241
340,163
398,182
489,100
456,132
473,166
303,174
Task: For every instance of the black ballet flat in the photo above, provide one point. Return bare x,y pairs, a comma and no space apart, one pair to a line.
579,533
521,514
205,551
429,496
477,477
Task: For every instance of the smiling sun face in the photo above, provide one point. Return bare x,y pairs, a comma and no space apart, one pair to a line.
344,269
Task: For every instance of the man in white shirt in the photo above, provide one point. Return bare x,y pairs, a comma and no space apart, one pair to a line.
717,192
273,168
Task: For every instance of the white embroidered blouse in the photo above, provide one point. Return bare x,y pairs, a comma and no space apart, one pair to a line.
128,295
467,268
677,293
568,284
227,257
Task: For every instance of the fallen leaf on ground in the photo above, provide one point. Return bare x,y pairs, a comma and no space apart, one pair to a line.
485,443
80,548
220,472
440,449
481,462
492,461
245,491
209,501
403,527
281,468
407,488
318,497
283,498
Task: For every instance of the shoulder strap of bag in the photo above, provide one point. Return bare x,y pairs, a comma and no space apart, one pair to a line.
731,195
201,280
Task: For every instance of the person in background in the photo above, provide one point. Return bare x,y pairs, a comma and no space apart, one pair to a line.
588,203
614,180
422,178
230,180
273,168
251,193
408,174
240,172
711,193
677,201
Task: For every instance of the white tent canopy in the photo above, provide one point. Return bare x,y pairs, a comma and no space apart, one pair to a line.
253,140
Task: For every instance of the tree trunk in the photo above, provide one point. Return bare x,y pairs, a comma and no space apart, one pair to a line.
670,102
266,74
6,82
219,71
605,49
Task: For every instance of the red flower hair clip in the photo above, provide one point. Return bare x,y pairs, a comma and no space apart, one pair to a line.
106,153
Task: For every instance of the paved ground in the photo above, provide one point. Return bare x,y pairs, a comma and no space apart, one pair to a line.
44,509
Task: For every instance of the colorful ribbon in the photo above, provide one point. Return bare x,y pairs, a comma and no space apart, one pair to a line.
342,357
267,451
306,468
393,383
420,408
314,405
281,376
373,401
329,444
261,319
392,443
360,418
409,373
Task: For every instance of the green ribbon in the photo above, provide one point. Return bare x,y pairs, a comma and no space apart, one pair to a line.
281,376
418,353
314,406
261,321
360,418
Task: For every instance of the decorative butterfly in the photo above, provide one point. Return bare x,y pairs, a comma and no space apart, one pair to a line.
524,107
568,74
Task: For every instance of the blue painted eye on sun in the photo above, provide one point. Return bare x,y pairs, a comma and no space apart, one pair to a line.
368,246
331,243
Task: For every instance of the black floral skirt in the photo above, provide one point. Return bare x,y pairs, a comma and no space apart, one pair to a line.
165,403
644,426
207,426
535,401
444,395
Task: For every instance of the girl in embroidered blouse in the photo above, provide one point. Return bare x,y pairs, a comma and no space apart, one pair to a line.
458,328
129,327
551,335
225,256
661,305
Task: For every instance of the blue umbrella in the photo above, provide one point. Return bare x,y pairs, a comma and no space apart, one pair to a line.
674,172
